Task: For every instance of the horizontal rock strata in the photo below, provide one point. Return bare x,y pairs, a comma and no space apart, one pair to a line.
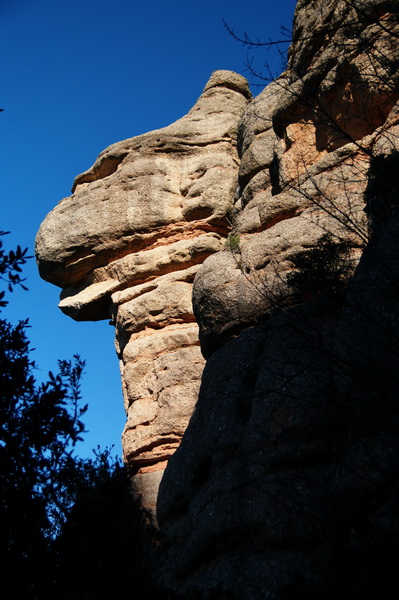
127,245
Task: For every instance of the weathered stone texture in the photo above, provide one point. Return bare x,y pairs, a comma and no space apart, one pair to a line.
305,144
285,484
127,245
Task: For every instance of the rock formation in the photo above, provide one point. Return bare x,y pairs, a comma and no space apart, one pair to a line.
127,245
285,483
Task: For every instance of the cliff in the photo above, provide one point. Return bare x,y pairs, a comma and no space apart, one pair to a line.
279,216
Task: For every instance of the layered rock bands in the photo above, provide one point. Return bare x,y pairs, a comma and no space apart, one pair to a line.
278,216
127,245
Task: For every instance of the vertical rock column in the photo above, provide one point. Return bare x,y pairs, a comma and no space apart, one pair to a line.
161,366
126,246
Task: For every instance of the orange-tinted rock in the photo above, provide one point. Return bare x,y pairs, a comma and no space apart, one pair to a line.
127,245
284,485
305,145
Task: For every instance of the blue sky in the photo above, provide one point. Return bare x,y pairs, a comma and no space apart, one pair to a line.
75,78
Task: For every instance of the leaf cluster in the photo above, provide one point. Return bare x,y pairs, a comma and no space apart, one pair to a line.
10,267
39,426
40,423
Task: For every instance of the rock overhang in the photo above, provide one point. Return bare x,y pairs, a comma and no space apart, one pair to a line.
176,182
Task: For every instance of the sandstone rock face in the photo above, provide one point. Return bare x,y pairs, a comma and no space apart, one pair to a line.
305,144
285,484
127,245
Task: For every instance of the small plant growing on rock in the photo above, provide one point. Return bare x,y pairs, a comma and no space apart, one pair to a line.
233,243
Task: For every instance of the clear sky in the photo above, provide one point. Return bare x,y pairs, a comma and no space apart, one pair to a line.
76,77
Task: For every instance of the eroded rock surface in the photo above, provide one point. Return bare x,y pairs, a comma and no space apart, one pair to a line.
127,245
285,484
305,144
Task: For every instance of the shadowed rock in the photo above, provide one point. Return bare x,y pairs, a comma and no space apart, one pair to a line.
284,486
285,483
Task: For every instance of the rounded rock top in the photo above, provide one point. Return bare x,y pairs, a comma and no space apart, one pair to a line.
229,79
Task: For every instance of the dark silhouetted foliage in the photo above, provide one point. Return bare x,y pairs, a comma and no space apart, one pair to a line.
10,267
70,527
106,547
